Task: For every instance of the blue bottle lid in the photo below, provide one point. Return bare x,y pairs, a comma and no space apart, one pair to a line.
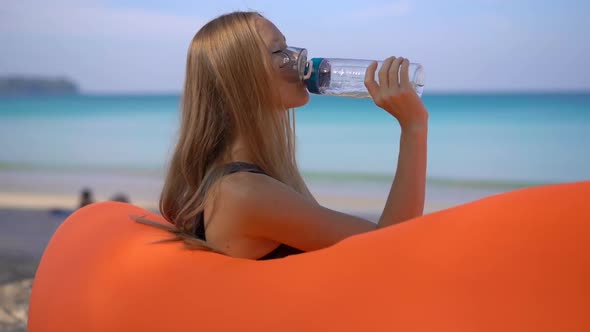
313,82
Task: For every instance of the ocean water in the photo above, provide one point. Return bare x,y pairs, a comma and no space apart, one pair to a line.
508,138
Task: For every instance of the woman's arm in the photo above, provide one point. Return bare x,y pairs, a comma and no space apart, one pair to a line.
258,206
406,196
397,97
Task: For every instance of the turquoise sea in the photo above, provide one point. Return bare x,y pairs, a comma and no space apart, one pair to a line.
491,138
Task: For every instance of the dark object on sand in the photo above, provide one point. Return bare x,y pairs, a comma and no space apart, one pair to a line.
86,197
120,198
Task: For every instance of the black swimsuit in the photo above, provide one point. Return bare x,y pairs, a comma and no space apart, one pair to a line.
282,250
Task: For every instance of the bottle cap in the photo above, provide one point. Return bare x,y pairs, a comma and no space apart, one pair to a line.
313,82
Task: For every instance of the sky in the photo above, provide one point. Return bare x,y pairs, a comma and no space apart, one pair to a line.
139,46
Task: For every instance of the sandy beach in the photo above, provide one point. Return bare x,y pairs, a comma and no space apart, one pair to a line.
24,233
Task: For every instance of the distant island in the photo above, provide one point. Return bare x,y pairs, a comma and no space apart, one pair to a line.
34,86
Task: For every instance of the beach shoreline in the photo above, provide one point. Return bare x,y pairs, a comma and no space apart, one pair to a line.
55,189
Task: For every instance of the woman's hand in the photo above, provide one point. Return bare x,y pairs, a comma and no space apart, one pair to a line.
396,95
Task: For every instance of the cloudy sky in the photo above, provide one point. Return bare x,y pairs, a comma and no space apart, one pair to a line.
120,46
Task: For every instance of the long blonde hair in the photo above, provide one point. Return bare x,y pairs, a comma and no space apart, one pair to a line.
229,89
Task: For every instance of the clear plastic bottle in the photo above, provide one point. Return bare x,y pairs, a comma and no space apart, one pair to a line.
346,77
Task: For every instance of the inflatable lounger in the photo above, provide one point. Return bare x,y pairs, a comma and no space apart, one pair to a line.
518,261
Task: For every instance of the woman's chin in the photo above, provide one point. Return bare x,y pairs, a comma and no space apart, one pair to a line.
301,102
304,96
297,100
306,99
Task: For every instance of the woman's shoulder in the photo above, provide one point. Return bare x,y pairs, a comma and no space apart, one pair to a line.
246,186
246,197
228,216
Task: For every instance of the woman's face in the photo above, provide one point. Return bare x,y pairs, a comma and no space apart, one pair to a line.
293,92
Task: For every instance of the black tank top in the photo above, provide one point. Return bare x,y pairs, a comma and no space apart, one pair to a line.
282,250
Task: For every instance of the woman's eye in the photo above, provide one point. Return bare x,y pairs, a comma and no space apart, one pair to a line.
281,57
279,49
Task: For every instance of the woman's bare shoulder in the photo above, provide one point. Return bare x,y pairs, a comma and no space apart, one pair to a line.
266,208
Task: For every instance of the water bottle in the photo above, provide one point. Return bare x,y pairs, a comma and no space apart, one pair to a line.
346,77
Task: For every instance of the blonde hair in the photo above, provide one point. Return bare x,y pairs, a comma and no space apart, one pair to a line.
229,89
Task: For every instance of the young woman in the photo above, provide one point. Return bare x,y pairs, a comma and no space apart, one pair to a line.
233,185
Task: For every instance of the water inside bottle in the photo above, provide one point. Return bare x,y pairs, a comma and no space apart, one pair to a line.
347,78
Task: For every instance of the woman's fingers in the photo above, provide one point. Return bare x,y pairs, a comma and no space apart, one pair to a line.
393,79
370,83
391,92
394,74
384,72
404,73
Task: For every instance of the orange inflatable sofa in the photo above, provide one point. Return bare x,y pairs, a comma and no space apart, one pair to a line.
518,261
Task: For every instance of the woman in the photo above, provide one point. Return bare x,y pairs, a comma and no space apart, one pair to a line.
233,185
